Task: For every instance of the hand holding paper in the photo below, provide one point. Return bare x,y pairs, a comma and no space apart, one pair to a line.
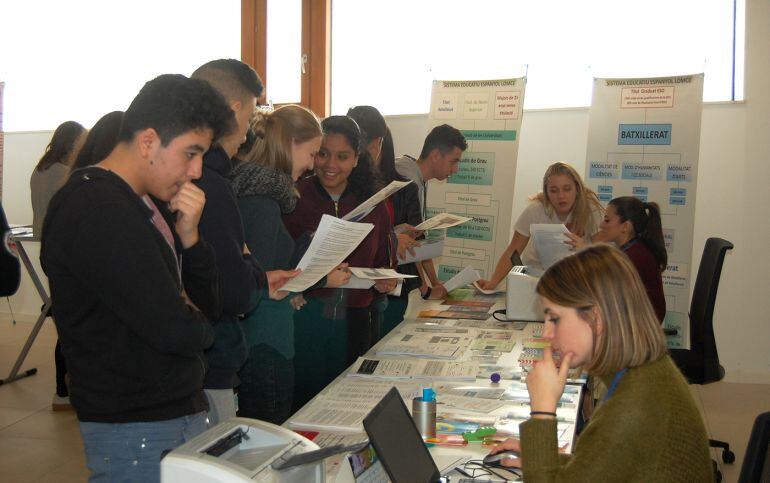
549,242
367,206
334,240
467,275
443,220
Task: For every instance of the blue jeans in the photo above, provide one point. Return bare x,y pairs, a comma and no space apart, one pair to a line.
128,452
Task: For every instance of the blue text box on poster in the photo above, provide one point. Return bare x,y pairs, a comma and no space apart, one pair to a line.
489,135
598,169
679,172
644,134
475,169
641,171
481,228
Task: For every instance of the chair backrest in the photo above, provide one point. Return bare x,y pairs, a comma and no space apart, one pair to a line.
755,468
704,297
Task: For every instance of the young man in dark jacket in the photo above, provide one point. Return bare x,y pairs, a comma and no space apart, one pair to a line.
128,285
221,225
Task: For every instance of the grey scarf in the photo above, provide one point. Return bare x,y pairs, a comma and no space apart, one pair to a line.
250,179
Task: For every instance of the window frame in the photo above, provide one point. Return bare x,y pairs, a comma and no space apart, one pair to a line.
316,45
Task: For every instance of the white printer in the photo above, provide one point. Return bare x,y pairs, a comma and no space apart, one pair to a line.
241,450
521,301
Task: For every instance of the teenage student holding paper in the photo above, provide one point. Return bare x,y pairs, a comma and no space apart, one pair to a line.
635,227
439,159
403,206
128,283
282,147
648,428
564,200
336,326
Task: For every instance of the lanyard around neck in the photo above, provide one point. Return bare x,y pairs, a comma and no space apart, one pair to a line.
614,384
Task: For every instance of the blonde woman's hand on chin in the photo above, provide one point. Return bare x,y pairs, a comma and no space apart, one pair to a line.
545,382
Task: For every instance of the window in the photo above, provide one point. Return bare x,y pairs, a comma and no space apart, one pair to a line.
81,59
387,53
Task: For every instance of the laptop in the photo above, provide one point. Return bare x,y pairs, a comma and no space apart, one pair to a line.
398,444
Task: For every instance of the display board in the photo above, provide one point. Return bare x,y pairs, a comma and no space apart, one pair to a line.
488,112
643,141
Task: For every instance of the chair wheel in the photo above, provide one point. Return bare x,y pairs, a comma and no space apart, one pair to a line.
728,456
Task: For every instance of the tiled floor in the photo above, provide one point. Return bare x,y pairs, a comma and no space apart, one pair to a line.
37,444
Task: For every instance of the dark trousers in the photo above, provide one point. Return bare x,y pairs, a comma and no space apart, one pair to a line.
325,347
394,314
267,382
61,371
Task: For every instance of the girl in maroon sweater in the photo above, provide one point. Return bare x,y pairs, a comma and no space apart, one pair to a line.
635,227
336,326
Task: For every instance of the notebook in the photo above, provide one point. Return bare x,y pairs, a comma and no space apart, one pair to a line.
398,444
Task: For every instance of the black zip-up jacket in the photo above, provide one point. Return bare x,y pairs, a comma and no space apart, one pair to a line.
406,209
134,347
242,277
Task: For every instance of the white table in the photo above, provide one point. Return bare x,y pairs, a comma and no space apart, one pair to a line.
475,450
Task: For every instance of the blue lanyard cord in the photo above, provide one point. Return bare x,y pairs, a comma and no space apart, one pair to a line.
614,384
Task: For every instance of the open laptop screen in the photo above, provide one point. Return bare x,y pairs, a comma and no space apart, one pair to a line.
398,443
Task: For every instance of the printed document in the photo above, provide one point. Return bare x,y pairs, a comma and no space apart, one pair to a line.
550,243
334,240
467,275
441,221
377,273
416,344
414,369
367,206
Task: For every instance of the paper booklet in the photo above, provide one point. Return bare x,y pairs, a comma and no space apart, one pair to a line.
378,273
441,221
467,275
414,369
367,206
333,241
549,240
430,345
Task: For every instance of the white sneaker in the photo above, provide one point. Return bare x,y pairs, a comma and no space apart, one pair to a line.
60,403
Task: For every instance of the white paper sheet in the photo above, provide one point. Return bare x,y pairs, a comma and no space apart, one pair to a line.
443,220
334,240
355,282
467,275
499,288
377,273
549,240
416,344
430,248
367,206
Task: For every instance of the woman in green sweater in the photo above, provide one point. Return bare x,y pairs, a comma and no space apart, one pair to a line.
648,428
282,148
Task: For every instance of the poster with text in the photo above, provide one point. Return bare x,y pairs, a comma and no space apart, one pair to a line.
643,141
488,112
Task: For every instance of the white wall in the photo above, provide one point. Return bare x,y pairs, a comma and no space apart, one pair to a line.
733,174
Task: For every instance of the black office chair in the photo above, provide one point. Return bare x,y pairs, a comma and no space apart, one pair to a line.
754,468
700,364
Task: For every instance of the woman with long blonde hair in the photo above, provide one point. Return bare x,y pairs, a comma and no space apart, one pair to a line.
564,199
